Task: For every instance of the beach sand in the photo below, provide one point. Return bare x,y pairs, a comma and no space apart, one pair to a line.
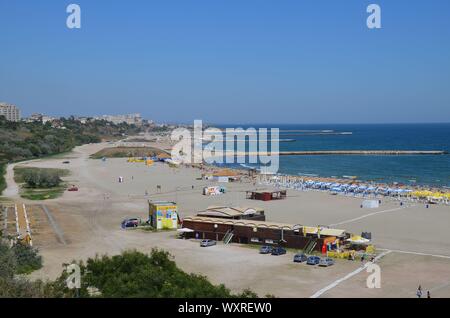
90,220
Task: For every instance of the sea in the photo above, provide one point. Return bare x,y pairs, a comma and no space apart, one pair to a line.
431,170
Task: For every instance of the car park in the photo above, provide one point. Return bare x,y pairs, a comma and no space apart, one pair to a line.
326,261
206,243
300,258
313,260
278,251
266,249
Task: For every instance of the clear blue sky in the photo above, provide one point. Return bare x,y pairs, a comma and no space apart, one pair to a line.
245,61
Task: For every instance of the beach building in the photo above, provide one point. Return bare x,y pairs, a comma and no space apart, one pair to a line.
10,112
261,232
234,213
266,195
224,175
163,215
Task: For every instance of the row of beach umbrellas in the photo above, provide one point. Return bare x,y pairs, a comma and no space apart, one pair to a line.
357,188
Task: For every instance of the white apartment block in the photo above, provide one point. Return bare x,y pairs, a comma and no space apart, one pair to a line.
130,119
11,112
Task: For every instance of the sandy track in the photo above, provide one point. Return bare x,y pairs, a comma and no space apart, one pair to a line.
12,189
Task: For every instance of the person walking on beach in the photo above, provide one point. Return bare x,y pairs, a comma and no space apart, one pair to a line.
419,292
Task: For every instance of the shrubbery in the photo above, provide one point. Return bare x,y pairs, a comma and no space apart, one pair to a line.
131,274
41,178
135,274
27,258
19,259
2,179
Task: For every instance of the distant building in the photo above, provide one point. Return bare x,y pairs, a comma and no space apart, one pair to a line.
46,119
130,119
36,117
11,112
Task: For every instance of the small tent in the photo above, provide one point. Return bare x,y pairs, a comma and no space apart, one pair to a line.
370,204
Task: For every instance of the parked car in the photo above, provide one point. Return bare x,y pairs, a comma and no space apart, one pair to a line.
266,249
313,260
206,243
66,162
73,189
300,258
278,251
130,223
326,261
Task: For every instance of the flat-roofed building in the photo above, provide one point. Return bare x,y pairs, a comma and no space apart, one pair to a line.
10,112
261,232
235,213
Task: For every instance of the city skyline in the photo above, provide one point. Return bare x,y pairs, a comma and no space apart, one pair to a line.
233,61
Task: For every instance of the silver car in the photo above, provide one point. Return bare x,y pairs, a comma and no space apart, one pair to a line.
206,243
326,261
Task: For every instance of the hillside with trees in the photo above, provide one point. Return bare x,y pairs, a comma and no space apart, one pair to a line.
23,140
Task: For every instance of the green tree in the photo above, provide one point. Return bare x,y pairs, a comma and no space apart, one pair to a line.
27,258
134,274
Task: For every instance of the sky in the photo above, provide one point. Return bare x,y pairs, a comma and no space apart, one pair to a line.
229,61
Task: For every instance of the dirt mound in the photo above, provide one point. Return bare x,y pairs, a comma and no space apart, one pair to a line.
124,152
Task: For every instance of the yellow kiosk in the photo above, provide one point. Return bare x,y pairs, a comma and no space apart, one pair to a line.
163,215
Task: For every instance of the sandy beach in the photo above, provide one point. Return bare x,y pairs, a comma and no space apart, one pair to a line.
416,237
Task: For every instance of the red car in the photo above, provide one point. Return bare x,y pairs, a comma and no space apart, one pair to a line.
73,188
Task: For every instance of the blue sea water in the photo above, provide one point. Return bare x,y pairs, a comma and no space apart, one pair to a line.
406,169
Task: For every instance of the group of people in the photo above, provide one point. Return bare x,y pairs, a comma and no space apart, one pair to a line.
419,292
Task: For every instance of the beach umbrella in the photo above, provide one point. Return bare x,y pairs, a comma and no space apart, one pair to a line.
356,239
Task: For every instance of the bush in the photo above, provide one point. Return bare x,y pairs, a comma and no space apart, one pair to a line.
41,178
134,274
2,177
27,258
20,259
8,262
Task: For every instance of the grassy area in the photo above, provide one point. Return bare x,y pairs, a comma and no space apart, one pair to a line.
39,193
42,194
125,152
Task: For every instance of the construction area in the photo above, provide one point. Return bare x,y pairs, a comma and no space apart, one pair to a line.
34,225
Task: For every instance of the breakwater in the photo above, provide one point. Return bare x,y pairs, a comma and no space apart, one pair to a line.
347,152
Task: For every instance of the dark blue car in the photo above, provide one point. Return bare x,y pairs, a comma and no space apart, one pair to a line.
278,251
127,223
300,258
313,260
